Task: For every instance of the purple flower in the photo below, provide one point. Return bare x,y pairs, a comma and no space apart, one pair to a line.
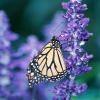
12,77
69,86
73,37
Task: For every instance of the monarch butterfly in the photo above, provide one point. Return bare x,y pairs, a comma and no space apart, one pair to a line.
48,65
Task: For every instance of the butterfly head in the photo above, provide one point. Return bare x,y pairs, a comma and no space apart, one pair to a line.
55,42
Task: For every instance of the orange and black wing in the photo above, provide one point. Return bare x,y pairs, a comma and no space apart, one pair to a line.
48,65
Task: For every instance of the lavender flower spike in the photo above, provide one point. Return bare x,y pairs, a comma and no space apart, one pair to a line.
12,82
74,37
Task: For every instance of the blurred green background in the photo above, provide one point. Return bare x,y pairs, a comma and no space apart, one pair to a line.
30,16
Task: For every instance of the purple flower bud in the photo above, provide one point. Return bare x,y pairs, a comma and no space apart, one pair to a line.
84,22
82,88
65,5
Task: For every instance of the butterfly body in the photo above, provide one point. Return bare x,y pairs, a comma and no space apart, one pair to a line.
48,65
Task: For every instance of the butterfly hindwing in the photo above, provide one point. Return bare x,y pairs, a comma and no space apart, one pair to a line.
49,64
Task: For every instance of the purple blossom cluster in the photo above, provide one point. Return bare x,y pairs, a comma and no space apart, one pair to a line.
64,89
73,37
13,63
12,83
